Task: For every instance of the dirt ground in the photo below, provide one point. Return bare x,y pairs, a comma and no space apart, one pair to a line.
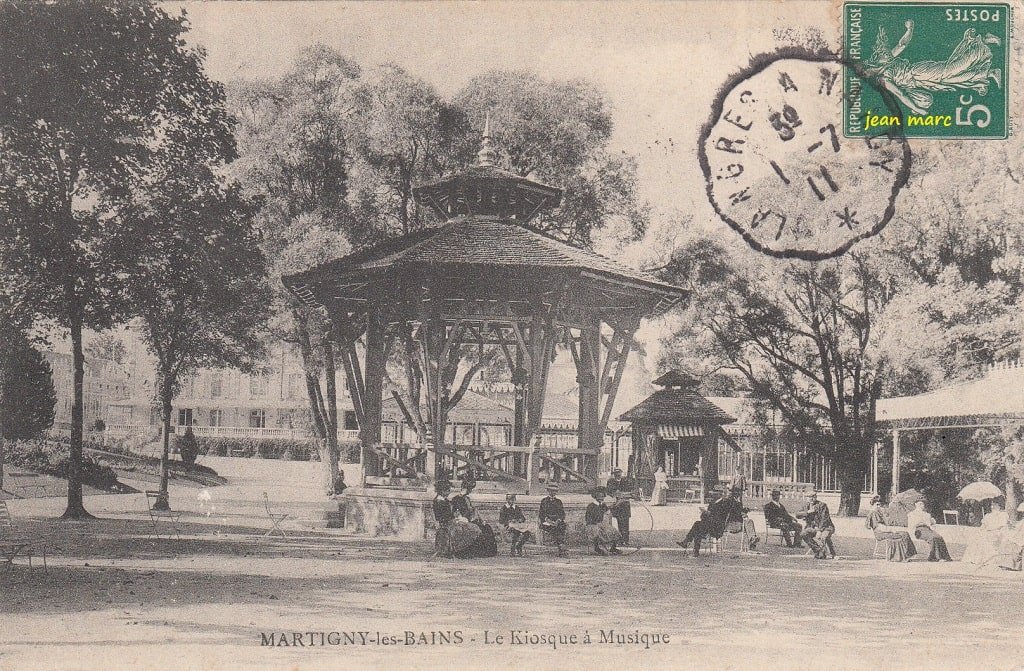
116,597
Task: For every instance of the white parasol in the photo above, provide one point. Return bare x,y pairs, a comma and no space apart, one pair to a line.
979,491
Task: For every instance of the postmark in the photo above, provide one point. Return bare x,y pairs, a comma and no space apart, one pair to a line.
779,170
946,64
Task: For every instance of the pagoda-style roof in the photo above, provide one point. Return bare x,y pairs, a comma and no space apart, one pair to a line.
484,253
677,403
518,261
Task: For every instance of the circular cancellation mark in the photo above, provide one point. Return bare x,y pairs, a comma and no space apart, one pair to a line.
778,169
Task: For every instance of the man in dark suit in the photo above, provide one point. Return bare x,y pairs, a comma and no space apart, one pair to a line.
818,532
552,518
777,517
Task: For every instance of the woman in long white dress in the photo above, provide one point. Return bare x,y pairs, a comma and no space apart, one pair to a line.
988,544
659,496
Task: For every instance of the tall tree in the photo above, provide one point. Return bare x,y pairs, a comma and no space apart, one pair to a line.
28,400
198,285
800,335
404,133
294,144
83,87
558,132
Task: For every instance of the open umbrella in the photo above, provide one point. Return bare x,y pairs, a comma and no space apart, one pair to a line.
1020,508
980,491
902,504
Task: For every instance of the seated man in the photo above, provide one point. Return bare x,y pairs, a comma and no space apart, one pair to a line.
552,518
716,519
777,517
513,520
599,527
920,524
818,532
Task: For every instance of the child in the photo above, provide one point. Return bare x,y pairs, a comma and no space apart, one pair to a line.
512,518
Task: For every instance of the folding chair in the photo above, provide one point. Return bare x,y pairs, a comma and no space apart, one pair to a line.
275,518
881,550
778,532
169,516
951,515
12,545
733,528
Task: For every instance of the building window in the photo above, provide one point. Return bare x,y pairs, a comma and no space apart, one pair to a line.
216,384
258,385
295,385
185,417
216,417
258,419
350,421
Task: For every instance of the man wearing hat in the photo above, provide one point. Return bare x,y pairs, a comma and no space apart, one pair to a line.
599,528
777,517
552,518
818,532
622,489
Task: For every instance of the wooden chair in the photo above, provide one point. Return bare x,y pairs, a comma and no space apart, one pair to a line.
275,518
881,550
170,517
778,532
948,515
13,545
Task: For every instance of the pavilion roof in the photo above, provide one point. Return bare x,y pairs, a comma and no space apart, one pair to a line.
992,399
674,405
467,241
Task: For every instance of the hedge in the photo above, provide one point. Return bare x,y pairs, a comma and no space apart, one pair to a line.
265,448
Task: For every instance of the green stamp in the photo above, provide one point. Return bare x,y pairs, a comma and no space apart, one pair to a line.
926,70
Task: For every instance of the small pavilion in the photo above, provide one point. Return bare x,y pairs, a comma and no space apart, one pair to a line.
484,281
679,429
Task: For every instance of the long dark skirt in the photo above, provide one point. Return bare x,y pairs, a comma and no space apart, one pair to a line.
899,545
936,543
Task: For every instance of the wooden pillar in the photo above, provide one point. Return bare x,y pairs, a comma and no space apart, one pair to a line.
874,469
895,462
587,372
373,379
519,377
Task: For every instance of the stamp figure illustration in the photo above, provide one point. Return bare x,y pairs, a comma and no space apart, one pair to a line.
778,170
948,70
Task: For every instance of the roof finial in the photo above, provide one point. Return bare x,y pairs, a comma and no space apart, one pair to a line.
487,156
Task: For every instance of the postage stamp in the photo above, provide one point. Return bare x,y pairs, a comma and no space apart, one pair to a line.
945,63
778,170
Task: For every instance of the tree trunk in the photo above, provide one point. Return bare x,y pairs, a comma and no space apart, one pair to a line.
76,508
851,482
163,501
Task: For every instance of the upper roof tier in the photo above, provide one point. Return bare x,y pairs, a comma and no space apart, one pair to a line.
486,189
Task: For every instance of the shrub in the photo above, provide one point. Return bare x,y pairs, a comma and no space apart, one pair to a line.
188,448
52,459
269,448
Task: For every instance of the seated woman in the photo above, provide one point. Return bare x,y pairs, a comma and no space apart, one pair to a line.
921,524
988,544
899,544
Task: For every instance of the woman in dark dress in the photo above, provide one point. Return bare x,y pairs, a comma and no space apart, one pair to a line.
899,544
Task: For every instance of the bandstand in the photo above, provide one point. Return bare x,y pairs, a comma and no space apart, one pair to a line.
439,301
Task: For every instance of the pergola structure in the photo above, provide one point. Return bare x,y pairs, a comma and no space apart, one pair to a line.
993,400
484,280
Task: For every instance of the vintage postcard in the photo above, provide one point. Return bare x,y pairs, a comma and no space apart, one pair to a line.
486,335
